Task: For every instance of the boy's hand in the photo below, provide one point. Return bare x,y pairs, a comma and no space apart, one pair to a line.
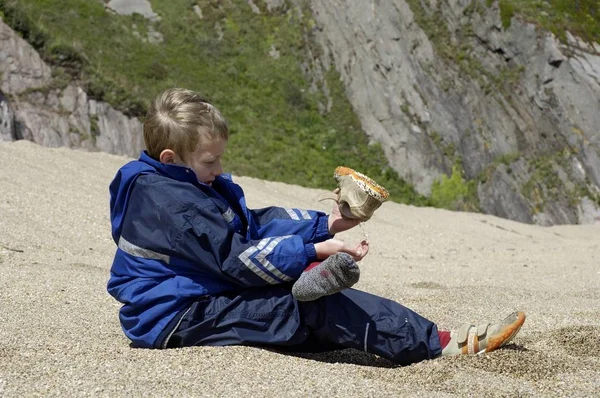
333,246
338,223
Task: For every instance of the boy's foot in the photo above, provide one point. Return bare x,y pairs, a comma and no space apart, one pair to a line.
358,195
471,339
336,273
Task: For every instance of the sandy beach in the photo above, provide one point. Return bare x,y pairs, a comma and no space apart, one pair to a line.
60,335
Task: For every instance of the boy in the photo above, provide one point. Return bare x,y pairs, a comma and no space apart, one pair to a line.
195,266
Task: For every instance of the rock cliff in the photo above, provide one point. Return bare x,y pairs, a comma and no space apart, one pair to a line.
444,86
36,106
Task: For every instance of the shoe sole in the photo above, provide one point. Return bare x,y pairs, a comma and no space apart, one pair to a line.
365,183
506,335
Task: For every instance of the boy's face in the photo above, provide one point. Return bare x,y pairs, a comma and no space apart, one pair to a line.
206,160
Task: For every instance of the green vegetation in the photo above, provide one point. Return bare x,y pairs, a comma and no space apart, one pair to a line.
506,160
95,129
507,11
580,17
455,192
546,184
277,131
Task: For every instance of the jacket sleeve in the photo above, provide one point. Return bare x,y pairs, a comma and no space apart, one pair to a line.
212,242
311,226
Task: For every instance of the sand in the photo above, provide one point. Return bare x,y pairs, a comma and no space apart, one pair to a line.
60,336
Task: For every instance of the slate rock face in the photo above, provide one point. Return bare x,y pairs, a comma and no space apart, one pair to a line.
30,109
20,65
517,108
7,120
129,7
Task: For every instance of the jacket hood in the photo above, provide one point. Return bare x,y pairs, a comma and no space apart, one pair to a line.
122,184
120,188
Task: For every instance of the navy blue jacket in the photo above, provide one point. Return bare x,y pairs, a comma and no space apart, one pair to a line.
179,239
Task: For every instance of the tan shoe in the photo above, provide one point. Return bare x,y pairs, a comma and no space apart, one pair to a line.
471,339
358,195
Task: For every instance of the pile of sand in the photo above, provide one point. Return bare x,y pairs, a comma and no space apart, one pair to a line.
60,334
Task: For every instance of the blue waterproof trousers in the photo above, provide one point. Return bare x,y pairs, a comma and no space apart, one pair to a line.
272,317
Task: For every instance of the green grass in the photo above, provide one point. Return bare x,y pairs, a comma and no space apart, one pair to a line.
580,17
507,11
277,131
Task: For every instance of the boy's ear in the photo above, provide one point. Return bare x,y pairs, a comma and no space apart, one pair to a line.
167,156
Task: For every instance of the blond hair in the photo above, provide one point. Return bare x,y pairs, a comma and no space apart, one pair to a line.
181,120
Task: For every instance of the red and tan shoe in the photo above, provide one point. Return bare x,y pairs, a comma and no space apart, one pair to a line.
471,339
358,195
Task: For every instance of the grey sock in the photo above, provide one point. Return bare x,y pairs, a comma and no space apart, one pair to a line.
336,273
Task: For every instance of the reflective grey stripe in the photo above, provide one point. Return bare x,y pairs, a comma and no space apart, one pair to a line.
164,344
137,251
229,215
245,258
366,335
305,214
292,214
263,242
261,258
